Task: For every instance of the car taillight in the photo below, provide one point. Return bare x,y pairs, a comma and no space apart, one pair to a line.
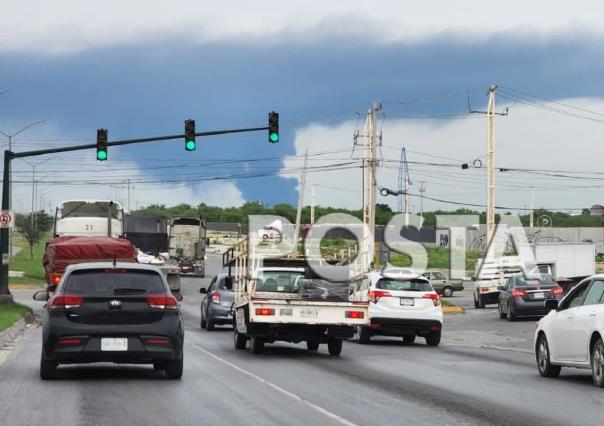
375,295
355,314
265,311
519,293
158,341
162,301
484,289
435,298
69,341
215,297
556,290
66,301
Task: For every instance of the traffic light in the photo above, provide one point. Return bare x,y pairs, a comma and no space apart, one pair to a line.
273,127
101,144
190,144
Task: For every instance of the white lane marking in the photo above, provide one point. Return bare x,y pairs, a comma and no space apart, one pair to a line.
492,347
274,386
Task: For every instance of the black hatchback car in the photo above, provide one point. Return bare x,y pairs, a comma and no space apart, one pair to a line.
105,312
526,295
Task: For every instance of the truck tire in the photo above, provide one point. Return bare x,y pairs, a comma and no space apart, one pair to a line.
409,339
312,345
363,334
257,345
48,368
433,339
447,292
334,346
481,302
475,302
240,340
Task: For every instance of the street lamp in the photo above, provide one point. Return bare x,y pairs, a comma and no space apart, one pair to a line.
33,184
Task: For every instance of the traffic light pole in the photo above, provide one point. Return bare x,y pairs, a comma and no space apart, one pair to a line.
5,295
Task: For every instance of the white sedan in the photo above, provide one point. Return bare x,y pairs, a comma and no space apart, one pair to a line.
571,335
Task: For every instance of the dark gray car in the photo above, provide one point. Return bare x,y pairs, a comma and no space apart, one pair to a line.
217,302
442,285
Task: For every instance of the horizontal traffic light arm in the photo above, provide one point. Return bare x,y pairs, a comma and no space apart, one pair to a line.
130,141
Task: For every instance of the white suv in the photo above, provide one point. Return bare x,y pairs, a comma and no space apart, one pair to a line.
401,303
572,334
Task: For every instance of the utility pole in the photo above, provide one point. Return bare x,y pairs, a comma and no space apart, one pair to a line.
531,207
491,167
312,204
300,200
369,185
129,196
422,189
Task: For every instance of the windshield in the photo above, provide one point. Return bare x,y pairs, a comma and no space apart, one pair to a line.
110,282
403,285
279,281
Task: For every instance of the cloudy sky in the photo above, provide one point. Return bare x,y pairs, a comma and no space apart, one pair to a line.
141,68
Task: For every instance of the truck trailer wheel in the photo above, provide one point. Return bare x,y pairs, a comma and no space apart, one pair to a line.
239,339
334,346
363,334
257,345
312,345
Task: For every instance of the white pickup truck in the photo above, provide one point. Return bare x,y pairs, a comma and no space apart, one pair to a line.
277,300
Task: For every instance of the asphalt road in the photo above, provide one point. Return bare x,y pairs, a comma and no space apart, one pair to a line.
483,373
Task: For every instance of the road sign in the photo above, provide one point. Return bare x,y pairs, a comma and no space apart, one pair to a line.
7,219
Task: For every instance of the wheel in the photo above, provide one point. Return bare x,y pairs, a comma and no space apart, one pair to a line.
240,339
511,315
203,320
502,315
334,346
364,334
409,338
481,302
597,364
546,369
447,292
174,369
433,339
47,368
476,302
209,324
312,345
257,345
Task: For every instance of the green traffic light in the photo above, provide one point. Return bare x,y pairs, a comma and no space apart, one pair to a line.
190,145
274,137
101,155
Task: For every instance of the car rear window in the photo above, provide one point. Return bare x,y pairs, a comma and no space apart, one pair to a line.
403,285
113,281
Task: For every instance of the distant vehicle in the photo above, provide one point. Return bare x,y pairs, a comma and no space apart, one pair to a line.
400,304
90,218
188,244
490,275
525,296
571,335
442,285
217,302
568,263
112,312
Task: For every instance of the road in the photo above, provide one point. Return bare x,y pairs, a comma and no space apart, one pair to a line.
483,373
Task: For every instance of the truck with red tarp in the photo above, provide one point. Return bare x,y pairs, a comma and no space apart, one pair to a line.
68,250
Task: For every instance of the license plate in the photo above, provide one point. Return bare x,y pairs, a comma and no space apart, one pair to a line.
538,295
114,344
309,313
407,301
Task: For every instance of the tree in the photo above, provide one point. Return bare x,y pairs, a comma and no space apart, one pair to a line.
33,228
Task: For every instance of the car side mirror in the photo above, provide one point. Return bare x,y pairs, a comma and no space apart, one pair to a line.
501,288
551,304
41,296
203,290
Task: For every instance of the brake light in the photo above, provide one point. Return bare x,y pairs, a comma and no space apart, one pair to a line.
162,301
518,292
69,341
355,314
556,290
435,298
53,279
215,297
484,289
375,295
265,311
66,301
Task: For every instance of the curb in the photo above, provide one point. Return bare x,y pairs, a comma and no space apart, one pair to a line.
9,336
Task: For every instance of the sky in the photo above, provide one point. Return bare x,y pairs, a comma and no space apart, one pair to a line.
141,68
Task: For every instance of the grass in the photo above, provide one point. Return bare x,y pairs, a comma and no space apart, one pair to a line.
438,258
33,271
11,313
